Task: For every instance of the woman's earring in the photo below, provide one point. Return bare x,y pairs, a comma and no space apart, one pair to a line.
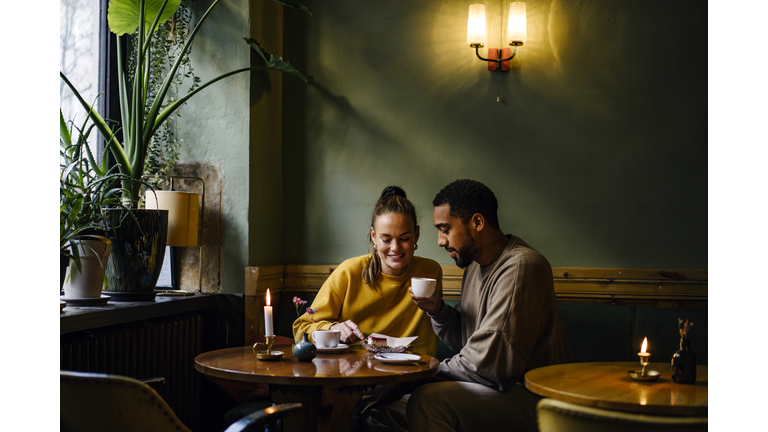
416,246
374,246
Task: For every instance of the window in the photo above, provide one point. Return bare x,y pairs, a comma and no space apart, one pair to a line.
82,58
87,56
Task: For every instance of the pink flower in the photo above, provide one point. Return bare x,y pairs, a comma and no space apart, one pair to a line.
311,312
684,328
298,303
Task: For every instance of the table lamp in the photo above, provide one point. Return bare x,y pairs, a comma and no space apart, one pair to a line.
184,214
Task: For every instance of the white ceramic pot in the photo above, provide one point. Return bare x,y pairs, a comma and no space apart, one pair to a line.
90,282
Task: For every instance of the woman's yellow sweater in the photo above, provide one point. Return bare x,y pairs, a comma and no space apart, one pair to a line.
386,310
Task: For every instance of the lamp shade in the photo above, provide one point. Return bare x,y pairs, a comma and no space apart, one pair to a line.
517,27
476,25
183,215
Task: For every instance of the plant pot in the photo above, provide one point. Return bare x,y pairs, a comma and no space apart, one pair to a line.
63,265
137,253
94,255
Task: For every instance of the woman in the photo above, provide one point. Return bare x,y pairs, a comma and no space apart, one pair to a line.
369,294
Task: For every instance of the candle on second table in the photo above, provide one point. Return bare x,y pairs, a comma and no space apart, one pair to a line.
642,352
268,317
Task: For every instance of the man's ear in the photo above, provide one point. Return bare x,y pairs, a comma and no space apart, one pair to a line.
477,222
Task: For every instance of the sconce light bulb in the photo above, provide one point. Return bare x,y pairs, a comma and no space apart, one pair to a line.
517,28
476,25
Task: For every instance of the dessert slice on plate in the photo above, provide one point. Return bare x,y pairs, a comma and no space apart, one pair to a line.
379,343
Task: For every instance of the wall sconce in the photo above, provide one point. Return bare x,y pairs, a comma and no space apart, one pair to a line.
516,34
183,215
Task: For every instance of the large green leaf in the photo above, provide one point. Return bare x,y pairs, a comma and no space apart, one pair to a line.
123,15
64,130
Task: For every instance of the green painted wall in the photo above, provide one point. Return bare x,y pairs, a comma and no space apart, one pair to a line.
597,151
215,124
237,121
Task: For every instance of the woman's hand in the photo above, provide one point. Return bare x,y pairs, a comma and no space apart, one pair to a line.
350,332
432,305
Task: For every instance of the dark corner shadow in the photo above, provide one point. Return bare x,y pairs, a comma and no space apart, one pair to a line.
260,82
341,103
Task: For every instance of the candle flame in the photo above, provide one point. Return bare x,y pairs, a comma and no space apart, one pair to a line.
268,303
645,345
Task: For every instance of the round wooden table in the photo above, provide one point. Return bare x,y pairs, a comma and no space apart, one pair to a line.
608,386
329,386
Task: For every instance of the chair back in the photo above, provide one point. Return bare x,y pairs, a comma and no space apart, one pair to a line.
558,416
101,402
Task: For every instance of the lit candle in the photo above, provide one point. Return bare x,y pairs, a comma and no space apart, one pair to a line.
268,317
642,352
644,357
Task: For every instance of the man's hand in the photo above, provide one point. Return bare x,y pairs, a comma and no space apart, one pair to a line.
431,305
350,332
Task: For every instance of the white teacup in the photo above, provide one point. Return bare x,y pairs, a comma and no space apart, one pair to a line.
423,287
326,338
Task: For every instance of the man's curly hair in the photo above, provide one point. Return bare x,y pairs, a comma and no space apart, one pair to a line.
467,197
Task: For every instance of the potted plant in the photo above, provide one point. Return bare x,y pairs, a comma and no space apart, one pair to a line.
86,188
132,269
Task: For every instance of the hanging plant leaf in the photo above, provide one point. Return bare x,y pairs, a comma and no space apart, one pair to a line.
277,62
123,15
296,5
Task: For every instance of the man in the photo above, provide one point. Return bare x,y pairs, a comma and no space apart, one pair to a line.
506,324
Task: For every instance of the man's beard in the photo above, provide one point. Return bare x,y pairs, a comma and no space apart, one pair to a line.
466,254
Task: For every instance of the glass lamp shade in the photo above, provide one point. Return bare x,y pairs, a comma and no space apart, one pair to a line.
476,25
183,215
517,28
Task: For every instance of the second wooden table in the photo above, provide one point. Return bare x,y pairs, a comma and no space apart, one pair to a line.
608,386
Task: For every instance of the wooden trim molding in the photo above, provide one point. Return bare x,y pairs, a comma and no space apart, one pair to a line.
632,287
626,287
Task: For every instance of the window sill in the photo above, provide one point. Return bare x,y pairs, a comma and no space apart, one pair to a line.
75,319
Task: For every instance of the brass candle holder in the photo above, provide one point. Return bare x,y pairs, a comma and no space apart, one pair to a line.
268,354
644,374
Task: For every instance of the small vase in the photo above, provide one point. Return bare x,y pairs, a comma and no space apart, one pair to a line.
304,350
684,363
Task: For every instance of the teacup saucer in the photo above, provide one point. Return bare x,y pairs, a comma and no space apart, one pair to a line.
337,348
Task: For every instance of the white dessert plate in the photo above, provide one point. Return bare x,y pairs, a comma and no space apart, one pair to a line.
399,367
397,358
337,348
